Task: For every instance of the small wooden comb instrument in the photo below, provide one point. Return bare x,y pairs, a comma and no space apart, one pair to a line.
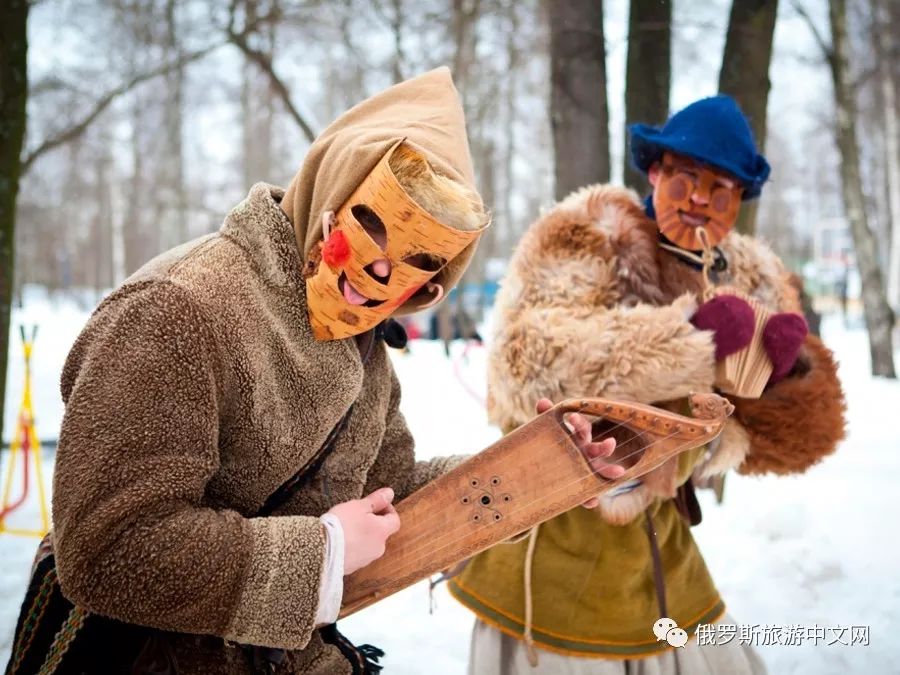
746,372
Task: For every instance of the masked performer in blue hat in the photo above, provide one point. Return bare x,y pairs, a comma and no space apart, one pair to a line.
605,297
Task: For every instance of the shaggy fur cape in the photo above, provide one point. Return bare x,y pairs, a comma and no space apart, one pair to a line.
591,306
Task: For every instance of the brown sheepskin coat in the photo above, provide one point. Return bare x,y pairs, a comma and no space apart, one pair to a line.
195,390
591,306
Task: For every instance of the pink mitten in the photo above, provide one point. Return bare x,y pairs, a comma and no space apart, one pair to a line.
782,337
730,319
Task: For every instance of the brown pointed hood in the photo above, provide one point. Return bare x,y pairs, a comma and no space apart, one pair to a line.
426,111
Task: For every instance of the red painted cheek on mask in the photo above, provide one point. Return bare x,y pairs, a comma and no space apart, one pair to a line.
336,251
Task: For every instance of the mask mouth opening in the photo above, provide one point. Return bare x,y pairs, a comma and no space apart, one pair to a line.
692,219
353,296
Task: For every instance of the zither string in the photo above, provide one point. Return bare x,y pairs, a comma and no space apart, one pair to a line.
430,548
426,532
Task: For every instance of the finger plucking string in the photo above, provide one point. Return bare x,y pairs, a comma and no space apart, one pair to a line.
428,533
549,477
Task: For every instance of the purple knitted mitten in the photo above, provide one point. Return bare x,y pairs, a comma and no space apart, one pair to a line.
782,337
730,319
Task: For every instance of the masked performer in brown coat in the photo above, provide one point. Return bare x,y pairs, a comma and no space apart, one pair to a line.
604,297
237,388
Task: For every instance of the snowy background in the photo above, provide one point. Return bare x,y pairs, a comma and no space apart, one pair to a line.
819,549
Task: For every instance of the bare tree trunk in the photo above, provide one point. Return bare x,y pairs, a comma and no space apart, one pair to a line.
647,81
578,108
13,94
465,15
884,48
139,239
879,317
745,74
398,64
117,236
102,225
477,273
257,109
258,112
503,236
173,166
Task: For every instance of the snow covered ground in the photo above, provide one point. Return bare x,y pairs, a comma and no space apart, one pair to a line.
815,550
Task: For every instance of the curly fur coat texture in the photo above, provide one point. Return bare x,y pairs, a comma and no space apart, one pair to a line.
591,306
193,393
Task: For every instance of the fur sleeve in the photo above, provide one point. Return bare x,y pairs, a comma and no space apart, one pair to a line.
641,353
562,332
134,537
797,422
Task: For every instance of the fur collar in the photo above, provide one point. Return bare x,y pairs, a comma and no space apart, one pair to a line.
260,227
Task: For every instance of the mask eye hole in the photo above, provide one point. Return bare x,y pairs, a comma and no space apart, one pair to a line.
721,200
678,188
425,261
371,223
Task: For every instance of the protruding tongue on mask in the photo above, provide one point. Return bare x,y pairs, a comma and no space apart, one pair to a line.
353,296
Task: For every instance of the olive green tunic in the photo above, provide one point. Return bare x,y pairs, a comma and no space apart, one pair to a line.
592,582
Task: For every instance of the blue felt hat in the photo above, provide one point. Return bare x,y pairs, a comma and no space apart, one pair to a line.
713,131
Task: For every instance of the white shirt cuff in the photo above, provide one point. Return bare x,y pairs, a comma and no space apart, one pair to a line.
331,586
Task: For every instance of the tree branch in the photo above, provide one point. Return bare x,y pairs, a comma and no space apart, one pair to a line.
827,50
264,61
77,129
49,83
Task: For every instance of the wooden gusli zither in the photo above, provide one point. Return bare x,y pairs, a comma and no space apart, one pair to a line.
527,477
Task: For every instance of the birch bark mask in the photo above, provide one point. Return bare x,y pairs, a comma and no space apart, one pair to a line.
380,248
688,195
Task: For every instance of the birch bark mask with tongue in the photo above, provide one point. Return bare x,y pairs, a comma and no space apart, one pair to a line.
381,246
